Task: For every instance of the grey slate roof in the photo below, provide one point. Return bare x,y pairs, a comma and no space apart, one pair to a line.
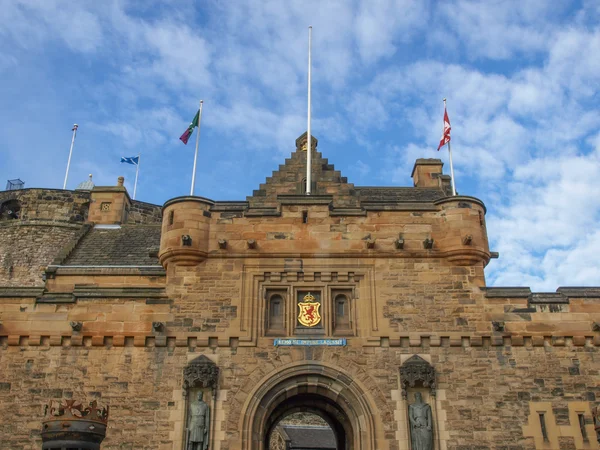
129,245
310,437
398,194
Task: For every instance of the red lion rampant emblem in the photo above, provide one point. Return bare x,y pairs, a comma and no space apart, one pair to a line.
309,311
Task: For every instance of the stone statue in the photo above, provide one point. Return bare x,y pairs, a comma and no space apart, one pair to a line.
421,424
596,417
199,425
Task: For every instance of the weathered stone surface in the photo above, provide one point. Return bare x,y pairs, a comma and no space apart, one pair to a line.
212,302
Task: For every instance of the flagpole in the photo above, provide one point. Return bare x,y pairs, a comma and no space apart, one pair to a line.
308,132
137,170
196,154
74,130
451,166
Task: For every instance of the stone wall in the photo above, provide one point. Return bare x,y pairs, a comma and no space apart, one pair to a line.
49,224
491,385
485,395
144,213
50,204
502,357
27,247
71,206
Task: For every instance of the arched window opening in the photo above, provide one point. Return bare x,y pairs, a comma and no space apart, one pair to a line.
275,313
10,209
342,312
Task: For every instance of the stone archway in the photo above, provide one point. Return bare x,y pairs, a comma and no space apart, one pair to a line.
308,386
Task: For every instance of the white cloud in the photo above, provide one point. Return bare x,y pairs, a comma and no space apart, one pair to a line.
520,77
30,23
498,29
380,23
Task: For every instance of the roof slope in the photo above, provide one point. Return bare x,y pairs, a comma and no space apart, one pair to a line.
129,245
310,437
398,194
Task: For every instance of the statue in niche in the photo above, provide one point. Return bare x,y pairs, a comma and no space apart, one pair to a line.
421,424
199,424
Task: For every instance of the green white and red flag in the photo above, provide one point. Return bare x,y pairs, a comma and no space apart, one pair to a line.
187,133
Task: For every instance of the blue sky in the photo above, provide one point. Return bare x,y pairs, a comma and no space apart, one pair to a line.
521,79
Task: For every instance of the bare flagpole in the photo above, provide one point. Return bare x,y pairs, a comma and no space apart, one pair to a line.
450,155
196,154
308,132
75,126
137,170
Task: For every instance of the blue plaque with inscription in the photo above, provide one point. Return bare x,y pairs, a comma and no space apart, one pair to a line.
309,342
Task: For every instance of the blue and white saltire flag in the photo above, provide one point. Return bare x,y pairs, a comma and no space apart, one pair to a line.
131,160
134,160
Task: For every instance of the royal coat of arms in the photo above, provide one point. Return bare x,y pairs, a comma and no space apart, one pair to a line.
309,311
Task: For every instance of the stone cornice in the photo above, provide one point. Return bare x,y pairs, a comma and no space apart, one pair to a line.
580,292
412,341
287,199
507,292
460,198
188,198
39,223
20,291
562,294
154,271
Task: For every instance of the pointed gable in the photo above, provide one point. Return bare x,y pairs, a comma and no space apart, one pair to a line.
289,181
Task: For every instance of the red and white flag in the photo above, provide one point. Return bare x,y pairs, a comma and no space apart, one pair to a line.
446,136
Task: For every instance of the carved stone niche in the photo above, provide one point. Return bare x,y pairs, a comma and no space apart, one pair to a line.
200,380
416,372
200,373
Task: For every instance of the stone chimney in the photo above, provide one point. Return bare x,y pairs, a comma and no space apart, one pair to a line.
427,172
109,205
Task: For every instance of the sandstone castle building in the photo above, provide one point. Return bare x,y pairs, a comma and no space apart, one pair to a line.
202,323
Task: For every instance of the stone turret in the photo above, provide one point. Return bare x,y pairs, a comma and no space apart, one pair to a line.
462,235
185,231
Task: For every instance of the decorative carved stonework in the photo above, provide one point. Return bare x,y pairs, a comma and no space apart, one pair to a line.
302,141
71,425
201,372
417,370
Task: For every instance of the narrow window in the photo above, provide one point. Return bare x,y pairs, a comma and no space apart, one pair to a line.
304,216
304,185
543,426
275,317
581,418
342,316
341,303
171,217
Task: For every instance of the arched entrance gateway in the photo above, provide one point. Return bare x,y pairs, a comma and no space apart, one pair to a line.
310,387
